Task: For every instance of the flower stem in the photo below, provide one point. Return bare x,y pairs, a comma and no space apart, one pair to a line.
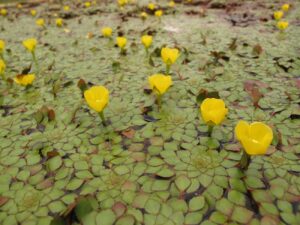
147,51
210,130
3,76
245,161
158,101
35,61
101,114
167,69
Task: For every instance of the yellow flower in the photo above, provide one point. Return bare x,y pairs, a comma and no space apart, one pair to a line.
169,55
121,42
122,2
278,15
87,4
19,6
144,15
213,110
66,8
151,6
59,22
171,4
158,13
255,137
30,44
40,22
285,7
97,98
2,66
3,12
24,79
282,25
146,40
33,12
106,31
2,46
160,83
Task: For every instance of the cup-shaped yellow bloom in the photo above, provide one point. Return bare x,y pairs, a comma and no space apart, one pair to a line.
40,22
59,22
146,40
2,46
151,6
282,25
2,66
122,2
171,4
160,83
24,79
33,12
255,137
87,4
97,98
30,44
121,42
106,31
285,7
158,13
66,8
278,15
144,15
213,111
169,55
3,12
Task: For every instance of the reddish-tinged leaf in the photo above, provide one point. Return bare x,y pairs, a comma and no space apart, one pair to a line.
119,208
3,200
129,133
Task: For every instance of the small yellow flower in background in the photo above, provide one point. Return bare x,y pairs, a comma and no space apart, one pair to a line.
171,4
255,137
146,41
144,15
151,6
2,67
66,8
282,25
3,12
169,56
24,79
59,22
40,22
158,13
97,98
213,111
106,31
33,12
121,42
285,7
30,44
122,2
278,15
87,4
2,46
19,6
160,83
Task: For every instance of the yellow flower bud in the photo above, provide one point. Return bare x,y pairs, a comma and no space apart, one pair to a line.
3,12
33,12
285,7
255,137
146,40
144,15
158,13
106,31
66,8
213,111
2,66
24,79
160,83
282,25
151,6
121,42
40,22
87,4
2,46
30,44
278,15
169,55
171,4
97,98
122,2
59,22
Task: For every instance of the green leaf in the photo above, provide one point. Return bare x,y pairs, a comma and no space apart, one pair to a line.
182,182
106,217
83,208
196,203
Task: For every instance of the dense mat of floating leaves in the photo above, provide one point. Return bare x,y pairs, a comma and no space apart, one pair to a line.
58,163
